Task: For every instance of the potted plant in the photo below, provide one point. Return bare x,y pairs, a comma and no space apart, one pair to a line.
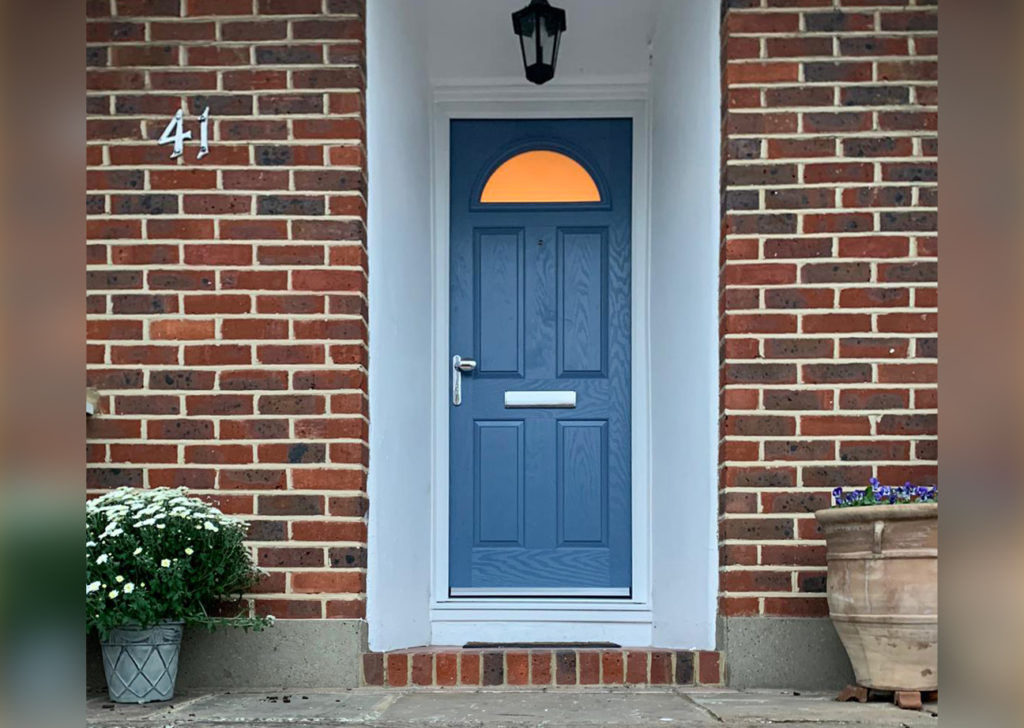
882,552
156,560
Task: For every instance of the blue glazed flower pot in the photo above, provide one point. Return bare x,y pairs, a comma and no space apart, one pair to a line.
141,665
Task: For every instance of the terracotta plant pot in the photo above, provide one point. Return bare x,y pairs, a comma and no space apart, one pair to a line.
883,591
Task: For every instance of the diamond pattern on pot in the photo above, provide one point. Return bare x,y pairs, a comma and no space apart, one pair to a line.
142,672
142,664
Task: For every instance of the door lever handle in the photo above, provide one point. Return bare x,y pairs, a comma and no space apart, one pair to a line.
459,365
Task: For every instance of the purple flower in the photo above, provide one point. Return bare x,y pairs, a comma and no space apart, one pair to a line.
876,494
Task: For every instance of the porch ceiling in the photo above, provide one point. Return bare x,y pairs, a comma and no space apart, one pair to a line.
471,40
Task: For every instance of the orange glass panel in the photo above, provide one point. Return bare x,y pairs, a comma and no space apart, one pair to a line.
540,176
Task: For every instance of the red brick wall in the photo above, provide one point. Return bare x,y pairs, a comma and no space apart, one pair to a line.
227,296
828,278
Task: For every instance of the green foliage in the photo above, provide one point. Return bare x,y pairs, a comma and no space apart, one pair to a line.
157,555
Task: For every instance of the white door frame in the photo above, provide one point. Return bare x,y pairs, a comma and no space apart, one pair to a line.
625,621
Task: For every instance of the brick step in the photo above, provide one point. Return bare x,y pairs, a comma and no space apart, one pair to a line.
456,666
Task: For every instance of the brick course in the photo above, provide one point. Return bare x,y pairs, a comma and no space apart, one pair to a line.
828,286
565,667
227,295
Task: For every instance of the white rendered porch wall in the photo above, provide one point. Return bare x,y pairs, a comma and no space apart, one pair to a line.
408,49
399,223
684,322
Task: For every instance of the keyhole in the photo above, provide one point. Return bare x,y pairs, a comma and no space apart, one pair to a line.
540,243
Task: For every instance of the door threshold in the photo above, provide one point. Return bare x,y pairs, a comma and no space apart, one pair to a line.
542,646
541,593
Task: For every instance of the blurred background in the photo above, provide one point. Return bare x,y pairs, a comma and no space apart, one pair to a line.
981,378
42,354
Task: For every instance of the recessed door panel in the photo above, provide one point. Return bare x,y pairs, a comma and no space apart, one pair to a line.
582,302
582,482
498,481
498,319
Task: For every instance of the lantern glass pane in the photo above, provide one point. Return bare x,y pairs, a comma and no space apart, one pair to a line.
527,38
527,24
548,38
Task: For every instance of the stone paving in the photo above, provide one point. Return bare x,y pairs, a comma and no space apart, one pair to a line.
508,708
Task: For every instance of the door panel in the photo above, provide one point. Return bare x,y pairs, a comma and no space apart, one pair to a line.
499,482
582,482
540,497
582,299
498,313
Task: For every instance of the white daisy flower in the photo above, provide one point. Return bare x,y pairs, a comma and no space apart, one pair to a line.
118,578
103,558
165,563
137,551
129,588
189,551
112,594
209,526
92,587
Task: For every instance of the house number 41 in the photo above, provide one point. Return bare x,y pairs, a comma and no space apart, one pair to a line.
175,134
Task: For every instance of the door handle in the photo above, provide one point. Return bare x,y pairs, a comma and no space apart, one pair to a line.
460,365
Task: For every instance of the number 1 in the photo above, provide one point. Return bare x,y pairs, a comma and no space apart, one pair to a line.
204,133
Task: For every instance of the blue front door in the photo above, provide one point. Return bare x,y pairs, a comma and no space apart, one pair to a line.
540,464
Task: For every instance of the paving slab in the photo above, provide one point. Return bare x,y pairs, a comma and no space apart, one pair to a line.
102,712
576,709
340,708
506,708
778,707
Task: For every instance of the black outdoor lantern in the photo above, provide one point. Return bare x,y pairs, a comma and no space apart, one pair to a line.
539,27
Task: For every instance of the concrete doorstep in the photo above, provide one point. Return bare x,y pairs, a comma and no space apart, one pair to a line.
507,708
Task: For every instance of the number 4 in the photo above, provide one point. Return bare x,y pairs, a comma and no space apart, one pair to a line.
175,133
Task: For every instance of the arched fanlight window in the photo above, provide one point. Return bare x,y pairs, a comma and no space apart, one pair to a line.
540,176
